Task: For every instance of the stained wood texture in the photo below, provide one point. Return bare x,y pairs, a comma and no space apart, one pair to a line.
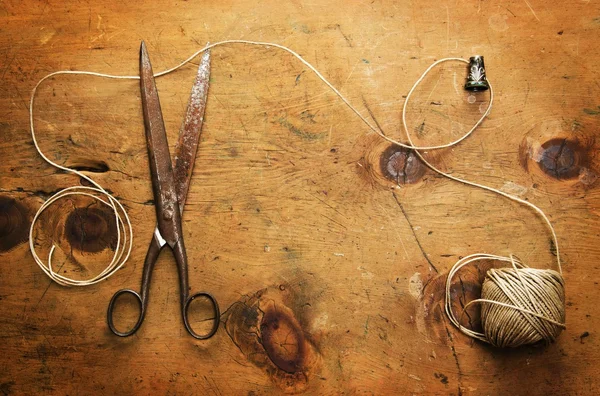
327,249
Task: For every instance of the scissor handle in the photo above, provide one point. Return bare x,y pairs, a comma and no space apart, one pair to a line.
151,256
216,319
111,305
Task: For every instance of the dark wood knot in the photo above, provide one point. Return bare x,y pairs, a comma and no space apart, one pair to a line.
562,158
401,165
272,336
466,286
91,229
14,223
283,340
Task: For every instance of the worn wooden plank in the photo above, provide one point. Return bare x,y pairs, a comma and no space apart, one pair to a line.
331,275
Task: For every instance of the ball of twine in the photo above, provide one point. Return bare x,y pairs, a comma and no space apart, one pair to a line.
519,305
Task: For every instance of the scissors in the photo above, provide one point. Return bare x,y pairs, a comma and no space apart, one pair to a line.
170,190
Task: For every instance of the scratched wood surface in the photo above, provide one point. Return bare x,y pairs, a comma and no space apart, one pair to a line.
326,248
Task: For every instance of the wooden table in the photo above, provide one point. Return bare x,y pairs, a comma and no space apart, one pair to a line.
326,248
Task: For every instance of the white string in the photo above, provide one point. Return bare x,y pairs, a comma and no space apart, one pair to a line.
123,250
124,234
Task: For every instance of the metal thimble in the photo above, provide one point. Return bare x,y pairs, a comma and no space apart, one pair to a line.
476,80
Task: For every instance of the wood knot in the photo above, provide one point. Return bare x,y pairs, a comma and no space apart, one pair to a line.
14,223
270,335
382,165
401,165
91,229
466,286
561,158
283,340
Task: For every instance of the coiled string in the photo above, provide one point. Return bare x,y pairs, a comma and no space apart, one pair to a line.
125,234
123,224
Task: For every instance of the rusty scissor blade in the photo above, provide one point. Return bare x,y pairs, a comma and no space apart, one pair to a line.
163,183
189,134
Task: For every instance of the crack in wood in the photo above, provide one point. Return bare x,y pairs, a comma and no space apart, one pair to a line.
453,349
413,232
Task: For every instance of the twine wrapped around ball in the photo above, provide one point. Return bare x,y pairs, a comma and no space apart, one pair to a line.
519,305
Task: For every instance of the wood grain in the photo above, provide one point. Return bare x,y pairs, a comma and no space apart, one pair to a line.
326,250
